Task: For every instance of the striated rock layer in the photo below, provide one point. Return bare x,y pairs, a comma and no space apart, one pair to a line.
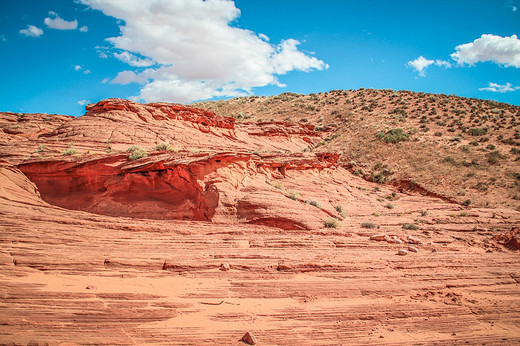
97,248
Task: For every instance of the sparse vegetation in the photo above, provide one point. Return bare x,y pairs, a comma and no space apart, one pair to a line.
429,127
136,152
164,146
393,136
70,150
331,223
477,131
278,186
410,226
341,211
369,225
294,195
41,147
313,203
494,157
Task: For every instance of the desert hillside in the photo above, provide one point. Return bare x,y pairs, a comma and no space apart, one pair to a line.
347,217
467,150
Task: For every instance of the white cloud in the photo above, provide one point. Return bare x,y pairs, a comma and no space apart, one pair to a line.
79,68
198,54
2,38
132,60
421,63
84,28
127,77
83,102
500,50
32,31
494,87
60,23
263,37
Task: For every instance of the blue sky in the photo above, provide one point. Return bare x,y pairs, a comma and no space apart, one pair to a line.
56,56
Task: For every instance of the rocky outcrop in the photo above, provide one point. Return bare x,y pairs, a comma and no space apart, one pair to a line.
176,186
159,111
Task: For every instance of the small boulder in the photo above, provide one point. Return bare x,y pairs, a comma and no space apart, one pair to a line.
249,338
224,267
402,252
414,240
412,249
379,237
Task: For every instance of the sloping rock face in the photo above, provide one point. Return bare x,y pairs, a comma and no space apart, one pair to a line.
100,248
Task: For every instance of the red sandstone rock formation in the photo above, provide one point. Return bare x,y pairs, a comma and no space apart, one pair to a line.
97,248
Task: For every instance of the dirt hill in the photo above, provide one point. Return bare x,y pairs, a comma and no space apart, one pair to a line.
467,150
161,223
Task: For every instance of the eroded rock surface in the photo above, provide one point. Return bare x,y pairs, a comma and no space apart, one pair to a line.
96,248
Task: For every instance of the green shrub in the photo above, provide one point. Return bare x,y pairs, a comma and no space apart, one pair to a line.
313,203
331,223
368,225
135,148
477,131
294,195
393,136
164,146
341,211
410,226
494,157
450,159
68,152
41,147
136,152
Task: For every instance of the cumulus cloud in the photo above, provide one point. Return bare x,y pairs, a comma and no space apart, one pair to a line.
132,60
500,50
421,63
59,23
32,31
193,51
79,68
127,77
494,87
84,28
83,102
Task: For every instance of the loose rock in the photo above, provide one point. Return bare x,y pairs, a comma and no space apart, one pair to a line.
224,267
412,249
402,252
379,237
249,338
414,240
